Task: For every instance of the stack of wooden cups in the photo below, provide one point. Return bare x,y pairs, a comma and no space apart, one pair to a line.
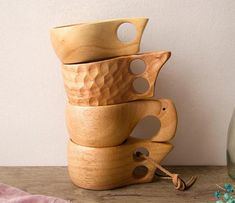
103,106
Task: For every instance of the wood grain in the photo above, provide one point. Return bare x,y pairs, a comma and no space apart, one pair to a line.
111,81
54,181
95,40
111,125
112,167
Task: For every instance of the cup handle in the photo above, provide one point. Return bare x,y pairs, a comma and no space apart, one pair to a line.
139,23
154,61
164,110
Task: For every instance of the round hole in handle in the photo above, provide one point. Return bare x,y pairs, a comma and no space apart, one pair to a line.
126,32
137,153
140,171
146,128
137,66
140,85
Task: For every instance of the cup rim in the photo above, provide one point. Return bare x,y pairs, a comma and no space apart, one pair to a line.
114,58
119,104
97,22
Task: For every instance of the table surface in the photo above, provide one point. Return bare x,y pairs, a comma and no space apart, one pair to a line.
54,181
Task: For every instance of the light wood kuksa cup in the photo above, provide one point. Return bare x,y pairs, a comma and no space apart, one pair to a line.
111,81
94,41
111,167
106,126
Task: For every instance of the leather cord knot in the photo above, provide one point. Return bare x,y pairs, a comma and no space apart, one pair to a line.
180,184
176,180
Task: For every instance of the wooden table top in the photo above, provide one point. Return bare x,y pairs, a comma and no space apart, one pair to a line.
54,181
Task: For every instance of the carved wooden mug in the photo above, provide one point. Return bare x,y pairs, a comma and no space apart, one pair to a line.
111,81
111,167
95,40
111,125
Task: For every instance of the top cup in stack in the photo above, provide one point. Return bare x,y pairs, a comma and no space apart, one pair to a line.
96,72
94,41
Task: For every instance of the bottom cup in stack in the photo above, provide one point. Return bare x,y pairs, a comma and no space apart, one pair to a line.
112,167
101,155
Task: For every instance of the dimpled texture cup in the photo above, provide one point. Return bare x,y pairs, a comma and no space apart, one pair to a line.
111,81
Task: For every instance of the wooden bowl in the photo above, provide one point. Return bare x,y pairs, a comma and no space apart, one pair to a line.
106,126
112,167
111,81
95,40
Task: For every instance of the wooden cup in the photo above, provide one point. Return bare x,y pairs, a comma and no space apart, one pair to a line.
111,81
95,40
106,126
111,167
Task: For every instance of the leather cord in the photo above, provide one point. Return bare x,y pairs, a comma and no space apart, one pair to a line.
177,181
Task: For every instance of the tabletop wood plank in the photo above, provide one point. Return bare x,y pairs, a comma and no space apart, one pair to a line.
54,181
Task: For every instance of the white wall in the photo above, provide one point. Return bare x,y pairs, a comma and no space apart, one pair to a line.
200,76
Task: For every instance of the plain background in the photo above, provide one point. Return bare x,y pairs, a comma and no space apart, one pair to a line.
199,77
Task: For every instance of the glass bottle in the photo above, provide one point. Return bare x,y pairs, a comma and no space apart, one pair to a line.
231,147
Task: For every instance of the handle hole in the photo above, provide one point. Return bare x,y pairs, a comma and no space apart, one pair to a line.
164,109
136,154
126,32
140,171
137,66
146,128
140,85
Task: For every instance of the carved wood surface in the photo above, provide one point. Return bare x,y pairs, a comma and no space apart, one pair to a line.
111,81
112,167
95,40
111,125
